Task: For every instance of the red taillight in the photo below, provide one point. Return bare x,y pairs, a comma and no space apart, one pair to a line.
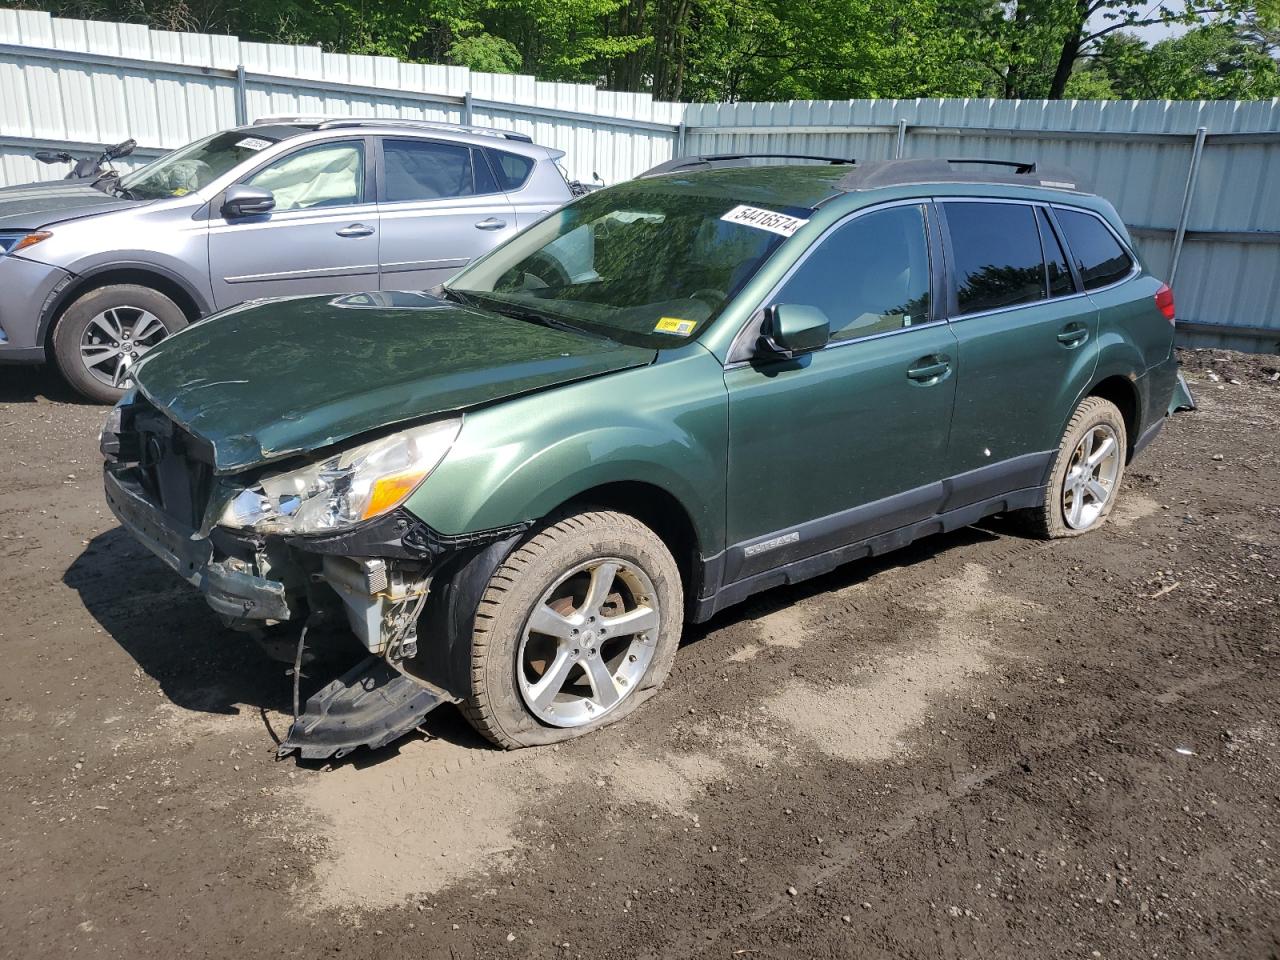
1164,301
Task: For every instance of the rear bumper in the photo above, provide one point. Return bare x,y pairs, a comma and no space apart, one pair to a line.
25,287
230,592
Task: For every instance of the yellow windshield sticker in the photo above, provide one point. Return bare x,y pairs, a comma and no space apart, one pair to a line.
676,326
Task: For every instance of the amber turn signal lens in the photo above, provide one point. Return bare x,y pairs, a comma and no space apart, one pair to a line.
30,240
389,491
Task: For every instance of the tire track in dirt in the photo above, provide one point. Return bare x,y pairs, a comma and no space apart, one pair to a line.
486,803
843,855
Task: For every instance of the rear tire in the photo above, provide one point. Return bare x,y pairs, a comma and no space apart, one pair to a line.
580,672
101,326
1087,471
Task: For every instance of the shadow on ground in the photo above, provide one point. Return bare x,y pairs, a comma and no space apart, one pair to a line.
165,626
37,383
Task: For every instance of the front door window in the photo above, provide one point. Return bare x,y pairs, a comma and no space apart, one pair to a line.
330,175
870,276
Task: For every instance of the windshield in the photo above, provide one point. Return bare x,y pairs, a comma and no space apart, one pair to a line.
635,263
197,165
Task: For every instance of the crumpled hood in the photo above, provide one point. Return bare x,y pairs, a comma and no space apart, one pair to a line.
33,205
270,379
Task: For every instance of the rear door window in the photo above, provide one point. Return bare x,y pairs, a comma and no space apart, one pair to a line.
1099,255
426,170
870,276
996,252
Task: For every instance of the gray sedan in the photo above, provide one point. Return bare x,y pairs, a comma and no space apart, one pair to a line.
92,275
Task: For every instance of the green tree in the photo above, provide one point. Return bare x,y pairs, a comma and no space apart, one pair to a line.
770,50
1212,62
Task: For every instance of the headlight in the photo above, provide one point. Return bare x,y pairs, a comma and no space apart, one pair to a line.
10,242
357,484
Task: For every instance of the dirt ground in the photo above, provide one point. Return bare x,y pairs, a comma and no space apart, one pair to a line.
982,746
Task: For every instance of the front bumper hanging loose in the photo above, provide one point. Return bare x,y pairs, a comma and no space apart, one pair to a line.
370,705
373,703
233,593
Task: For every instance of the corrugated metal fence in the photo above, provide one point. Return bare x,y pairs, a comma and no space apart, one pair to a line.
85,83
1198,183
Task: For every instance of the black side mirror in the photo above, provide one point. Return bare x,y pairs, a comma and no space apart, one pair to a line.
121,149
52,156
793,329
242,200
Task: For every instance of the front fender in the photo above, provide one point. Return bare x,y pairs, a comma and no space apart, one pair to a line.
664,425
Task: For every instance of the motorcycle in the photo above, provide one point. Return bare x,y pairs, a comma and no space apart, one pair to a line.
89,168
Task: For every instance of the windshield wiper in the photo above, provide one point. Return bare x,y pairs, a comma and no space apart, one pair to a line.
518,312
450,294
116,190
534,316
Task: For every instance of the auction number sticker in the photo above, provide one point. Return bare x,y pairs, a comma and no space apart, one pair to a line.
676,326
253,143
764,220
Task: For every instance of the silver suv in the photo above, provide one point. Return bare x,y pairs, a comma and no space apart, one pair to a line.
97,273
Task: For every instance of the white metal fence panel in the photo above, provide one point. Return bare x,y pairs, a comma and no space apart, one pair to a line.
74,84
77,84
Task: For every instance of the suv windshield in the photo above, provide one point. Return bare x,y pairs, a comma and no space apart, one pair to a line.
635,263
192,167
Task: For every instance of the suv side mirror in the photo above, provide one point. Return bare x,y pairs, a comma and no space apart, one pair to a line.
793,329
242,200
121,149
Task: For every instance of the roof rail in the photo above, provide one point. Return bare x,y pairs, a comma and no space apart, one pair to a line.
288,118
1019,166
472,128
717,160
920,170
337,123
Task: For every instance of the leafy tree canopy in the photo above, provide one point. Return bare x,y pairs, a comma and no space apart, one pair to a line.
780,49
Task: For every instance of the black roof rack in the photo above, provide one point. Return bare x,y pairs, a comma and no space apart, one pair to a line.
715,161
891,173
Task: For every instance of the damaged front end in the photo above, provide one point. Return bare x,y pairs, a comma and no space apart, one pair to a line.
321,542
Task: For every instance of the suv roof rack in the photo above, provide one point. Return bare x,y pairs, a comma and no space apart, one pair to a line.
874,174
335,123
889,173
715,161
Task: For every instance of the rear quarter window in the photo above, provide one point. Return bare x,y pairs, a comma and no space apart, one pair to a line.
1099,256
511,169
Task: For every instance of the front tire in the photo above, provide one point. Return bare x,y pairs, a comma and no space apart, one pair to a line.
576,629
106,331
1087,471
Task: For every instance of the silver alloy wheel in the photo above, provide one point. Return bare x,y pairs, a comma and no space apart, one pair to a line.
116,339
588,642
1090,482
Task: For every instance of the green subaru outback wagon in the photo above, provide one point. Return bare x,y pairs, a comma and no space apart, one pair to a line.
513,491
